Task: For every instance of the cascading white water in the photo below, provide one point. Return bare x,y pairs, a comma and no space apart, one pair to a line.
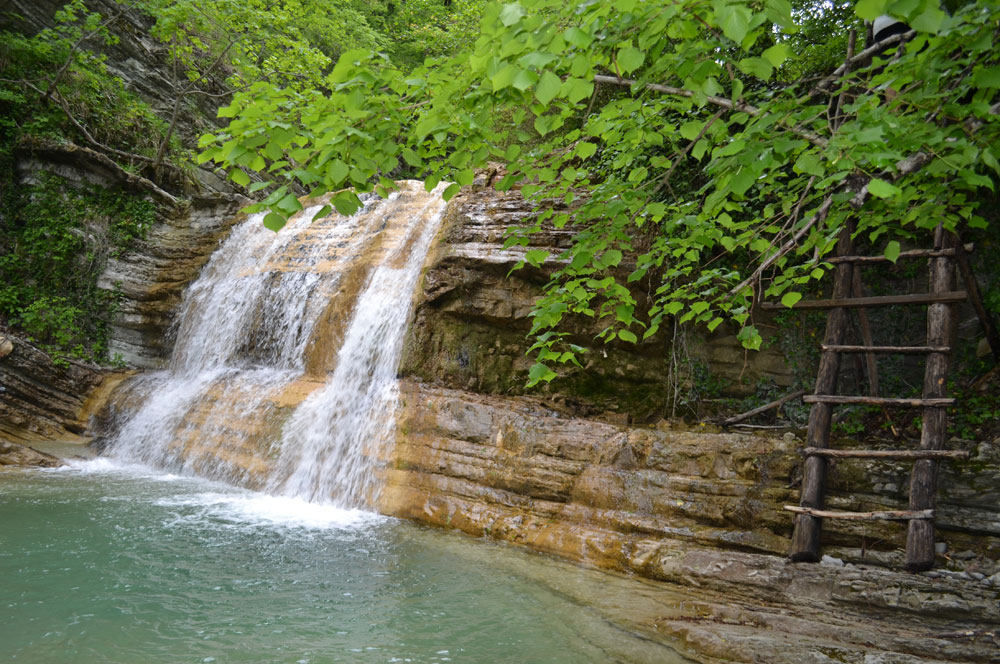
245,332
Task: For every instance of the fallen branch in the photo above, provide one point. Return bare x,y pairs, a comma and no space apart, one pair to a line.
762,409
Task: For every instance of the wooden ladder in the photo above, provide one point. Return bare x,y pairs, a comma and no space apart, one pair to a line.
923,482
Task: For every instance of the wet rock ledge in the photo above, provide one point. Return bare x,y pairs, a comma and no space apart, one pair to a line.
700,514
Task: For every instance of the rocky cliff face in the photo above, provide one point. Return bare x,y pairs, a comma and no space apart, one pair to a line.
151,277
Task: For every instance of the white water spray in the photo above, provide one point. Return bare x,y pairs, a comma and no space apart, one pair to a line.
246,329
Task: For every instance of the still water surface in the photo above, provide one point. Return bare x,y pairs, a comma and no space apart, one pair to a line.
101,562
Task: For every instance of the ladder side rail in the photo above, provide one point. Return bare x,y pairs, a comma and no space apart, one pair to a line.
923,480
806,536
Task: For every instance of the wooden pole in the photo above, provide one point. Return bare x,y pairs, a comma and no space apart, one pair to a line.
923,480
806,537
901,455
891,515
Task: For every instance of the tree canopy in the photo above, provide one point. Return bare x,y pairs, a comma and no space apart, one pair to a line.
701,149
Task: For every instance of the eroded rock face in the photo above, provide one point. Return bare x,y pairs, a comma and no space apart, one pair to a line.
701,510
40,400
153,276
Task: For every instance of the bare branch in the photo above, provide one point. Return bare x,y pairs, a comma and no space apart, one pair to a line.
821,213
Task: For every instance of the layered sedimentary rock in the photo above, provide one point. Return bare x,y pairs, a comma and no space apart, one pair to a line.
152,277
703,511
40,399
12,454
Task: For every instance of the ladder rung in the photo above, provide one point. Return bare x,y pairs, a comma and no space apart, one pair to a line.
903,350
891,515
876,401
886,454
874,301
916,253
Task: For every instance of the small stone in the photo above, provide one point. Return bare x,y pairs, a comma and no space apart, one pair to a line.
995,579
940,548
891,488
964,555
977,576
6,346
830,561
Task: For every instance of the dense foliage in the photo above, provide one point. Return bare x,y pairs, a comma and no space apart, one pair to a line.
56,88
790,155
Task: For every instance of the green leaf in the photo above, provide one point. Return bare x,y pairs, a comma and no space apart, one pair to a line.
450,191
749,336
611,258
347,203
626,335
882,189
734,20
465,177
928,21
892,251
809,163
777,54
578,38
539,372
870,10
585,150
322,212
274,221
289,204
257,186
336,172
524,79
790,298
576,89
536,256
629,59
502,78
511,14
987,78
758,67
548,87
239,177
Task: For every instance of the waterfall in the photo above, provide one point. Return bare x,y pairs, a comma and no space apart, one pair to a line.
283,374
